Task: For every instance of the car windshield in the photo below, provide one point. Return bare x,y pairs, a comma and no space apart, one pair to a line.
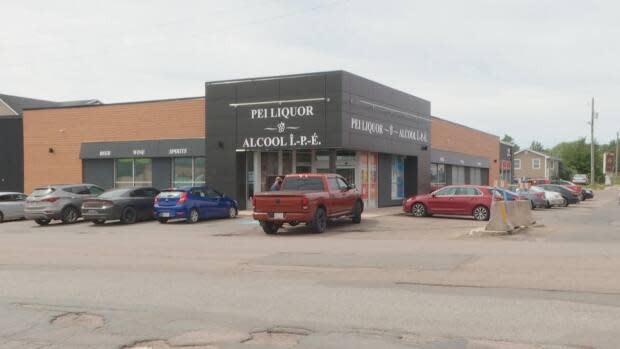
170,194
303,184
38,192
114,193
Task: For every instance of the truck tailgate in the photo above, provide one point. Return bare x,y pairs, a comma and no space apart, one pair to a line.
278,202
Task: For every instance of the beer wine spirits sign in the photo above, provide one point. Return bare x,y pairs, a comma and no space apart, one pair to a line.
280,126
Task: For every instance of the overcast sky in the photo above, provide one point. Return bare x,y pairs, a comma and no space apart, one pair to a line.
522,67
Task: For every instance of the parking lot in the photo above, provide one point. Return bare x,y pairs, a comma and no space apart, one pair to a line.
392,281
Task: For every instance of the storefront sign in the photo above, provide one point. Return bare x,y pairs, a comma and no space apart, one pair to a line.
282,126
105,153
381,129
139,152
177,151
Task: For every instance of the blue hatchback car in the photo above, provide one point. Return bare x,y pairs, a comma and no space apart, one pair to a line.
193,204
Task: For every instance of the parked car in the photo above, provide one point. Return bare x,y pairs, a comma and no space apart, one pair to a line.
536,198
463,200
193,204
553,199
581,179
127,205
308,198
571,196
12,206
60,202
571,186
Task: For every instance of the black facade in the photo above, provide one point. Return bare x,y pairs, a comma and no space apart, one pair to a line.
98,159
11,153
328,111
506,157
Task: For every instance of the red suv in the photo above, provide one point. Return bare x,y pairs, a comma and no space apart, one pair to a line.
461,200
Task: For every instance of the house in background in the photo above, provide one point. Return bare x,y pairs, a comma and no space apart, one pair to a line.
12,139
532,164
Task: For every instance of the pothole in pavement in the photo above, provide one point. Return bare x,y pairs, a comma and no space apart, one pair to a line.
86,320
280,337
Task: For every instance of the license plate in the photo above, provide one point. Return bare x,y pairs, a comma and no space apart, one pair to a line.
278,215
165,214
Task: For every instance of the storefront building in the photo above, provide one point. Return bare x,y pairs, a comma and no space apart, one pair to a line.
462,155
378,138
152,143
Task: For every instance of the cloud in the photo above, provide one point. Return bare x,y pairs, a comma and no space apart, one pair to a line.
526,68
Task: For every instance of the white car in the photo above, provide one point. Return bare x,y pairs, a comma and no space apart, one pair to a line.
553,198
580,179
11,206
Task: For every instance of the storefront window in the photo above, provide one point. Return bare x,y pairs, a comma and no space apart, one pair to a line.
199,171
303,161
188,171
438,176
345,165
133,173
475,176
398,177
124,173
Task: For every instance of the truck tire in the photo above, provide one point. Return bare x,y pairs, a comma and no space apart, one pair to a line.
319,222
357,213
270,228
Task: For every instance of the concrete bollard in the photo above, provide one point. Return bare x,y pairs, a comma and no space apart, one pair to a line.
499,220
524,208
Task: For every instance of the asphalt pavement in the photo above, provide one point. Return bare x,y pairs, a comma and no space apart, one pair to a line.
394,281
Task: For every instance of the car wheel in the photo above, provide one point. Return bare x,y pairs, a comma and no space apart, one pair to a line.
357,213
1,217
70,215
481,213
232,212
270,228
193,217
99,221
43,221
418,209
319,222
163,220
129,215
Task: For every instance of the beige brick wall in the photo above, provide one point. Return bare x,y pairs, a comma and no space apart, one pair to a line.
453,137
64,129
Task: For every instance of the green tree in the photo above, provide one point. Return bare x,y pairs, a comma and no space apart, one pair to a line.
537,146
509,139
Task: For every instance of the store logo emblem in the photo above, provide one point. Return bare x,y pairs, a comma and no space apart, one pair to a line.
105,153
139,152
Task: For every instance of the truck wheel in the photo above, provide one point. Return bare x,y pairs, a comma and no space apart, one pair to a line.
357,213
319,222
270,227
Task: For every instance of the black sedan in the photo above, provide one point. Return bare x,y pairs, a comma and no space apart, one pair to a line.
128,205
571,196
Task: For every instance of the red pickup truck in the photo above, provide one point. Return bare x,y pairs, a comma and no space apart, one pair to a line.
308,198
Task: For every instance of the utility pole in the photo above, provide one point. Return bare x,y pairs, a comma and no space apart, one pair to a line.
617,148
592,174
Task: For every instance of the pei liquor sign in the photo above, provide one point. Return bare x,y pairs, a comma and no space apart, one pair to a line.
390,130
298,125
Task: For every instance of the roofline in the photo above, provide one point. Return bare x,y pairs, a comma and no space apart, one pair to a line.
10,108
538,153
119,103
273,77
507,143
461,125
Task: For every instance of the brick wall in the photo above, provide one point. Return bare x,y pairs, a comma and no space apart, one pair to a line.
64,129
449,136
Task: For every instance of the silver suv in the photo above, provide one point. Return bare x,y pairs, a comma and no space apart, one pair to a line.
61,202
